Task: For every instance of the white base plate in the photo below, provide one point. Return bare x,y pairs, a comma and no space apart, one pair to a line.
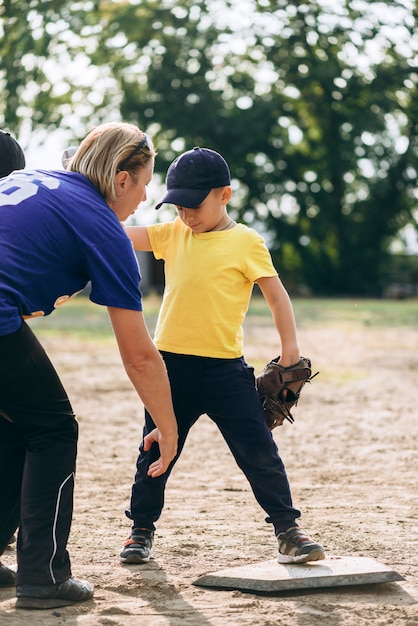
268,576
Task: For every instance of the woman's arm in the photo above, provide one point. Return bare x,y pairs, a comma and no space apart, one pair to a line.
281,308
147,372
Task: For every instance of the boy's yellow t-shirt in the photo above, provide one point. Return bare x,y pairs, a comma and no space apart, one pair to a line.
209,279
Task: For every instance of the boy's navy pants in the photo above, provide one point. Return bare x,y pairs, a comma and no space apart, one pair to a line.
225,390
38,447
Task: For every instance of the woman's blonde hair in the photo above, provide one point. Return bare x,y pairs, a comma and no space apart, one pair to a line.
105,148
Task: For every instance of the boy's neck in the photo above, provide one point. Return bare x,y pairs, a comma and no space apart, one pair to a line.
229,224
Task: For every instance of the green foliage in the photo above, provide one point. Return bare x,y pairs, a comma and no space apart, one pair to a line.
46,76
314,105
341,190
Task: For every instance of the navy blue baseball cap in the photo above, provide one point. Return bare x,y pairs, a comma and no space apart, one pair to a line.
192,176
11,155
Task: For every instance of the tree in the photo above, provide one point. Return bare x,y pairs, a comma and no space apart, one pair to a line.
314,105
320,134
46,77
347,181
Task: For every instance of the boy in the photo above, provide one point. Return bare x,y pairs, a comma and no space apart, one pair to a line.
211,265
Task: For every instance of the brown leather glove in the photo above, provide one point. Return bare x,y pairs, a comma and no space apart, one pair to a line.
280,388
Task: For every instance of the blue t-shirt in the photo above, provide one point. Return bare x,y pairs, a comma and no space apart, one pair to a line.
57,233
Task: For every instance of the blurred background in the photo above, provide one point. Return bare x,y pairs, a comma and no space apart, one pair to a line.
314,104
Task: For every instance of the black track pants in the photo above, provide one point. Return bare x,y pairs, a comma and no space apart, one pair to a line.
224,389
38,449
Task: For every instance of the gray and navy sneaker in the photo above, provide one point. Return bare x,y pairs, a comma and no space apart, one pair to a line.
296,547
138,546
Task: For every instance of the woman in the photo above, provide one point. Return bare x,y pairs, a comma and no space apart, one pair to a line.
59,230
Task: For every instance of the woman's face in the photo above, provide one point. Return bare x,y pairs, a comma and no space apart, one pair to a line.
131,189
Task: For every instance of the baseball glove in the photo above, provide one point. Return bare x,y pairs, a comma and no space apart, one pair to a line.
280,388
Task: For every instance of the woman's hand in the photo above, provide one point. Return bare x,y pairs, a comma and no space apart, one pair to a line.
168,449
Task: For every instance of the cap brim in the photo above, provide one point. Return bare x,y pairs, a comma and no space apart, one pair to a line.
188,198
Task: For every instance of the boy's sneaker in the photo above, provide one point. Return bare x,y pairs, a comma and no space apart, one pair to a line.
138,547
296,547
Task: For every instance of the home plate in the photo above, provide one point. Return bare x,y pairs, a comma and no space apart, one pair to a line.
268,576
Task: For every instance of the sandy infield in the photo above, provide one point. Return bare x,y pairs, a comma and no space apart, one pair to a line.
351,456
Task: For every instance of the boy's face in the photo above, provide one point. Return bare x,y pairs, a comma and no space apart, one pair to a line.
210,215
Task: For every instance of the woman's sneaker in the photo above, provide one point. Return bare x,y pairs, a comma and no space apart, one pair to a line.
71,591
138,546
7,576
296,547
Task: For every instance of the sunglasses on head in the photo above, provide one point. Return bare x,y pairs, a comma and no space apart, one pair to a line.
144,142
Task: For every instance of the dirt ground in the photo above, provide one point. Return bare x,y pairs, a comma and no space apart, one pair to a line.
351,457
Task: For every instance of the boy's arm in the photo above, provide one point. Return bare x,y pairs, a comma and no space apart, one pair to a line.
281,308
139,237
